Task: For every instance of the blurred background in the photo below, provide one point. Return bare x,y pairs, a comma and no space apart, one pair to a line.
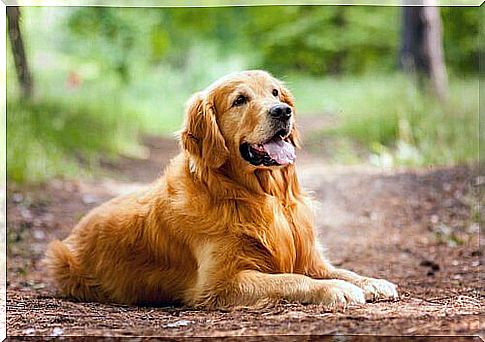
387,86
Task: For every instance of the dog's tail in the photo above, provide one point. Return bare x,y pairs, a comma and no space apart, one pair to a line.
64,269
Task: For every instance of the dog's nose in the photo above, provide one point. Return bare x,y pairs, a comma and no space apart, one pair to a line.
281,111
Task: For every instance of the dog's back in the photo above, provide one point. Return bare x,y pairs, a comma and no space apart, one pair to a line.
121,252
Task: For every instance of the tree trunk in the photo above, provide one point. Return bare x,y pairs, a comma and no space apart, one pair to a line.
433,50
422,46
23,72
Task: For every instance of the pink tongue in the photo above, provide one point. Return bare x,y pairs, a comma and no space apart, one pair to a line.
281,151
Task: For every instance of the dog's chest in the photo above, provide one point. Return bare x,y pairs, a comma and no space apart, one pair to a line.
282,243
275,240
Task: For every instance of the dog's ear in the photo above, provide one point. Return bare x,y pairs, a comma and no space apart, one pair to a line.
287,97
201,136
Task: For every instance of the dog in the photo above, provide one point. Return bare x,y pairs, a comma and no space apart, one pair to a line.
227,224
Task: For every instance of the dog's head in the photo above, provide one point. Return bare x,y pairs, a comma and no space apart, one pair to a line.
247,116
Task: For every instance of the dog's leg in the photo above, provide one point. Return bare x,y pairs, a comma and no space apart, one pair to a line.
253,288
374,289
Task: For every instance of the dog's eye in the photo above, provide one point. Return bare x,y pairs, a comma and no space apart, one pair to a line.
275,92
240,100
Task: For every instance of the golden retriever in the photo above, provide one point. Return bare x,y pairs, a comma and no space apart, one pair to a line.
226,226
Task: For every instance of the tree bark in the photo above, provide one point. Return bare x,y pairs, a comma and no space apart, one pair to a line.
433,50
23,72
422,46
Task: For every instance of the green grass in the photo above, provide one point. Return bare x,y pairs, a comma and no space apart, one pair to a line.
50,138
394,120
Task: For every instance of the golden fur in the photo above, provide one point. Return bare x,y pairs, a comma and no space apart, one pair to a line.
213,231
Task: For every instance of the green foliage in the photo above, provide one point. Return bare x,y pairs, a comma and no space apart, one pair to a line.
323,40
316,40
461,38
111,36
413,130
115,36
52,138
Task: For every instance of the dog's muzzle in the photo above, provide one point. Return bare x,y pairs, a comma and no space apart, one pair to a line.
278,150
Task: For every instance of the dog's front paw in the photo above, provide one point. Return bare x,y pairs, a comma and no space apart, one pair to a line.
338,294
375,289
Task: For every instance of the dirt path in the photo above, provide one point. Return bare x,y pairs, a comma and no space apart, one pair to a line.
415,228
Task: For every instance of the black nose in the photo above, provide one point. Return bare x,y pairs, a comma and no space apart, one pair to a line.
281,111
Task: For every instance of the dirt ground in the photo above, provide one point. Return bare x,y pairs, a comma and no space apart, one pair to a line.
417,228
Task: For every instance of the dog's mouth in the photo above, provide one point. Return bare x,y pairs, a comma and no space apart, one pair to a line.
276,151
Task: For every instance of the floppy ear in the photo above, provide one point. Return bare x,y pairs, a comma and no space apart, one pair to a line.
287,97
201,136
